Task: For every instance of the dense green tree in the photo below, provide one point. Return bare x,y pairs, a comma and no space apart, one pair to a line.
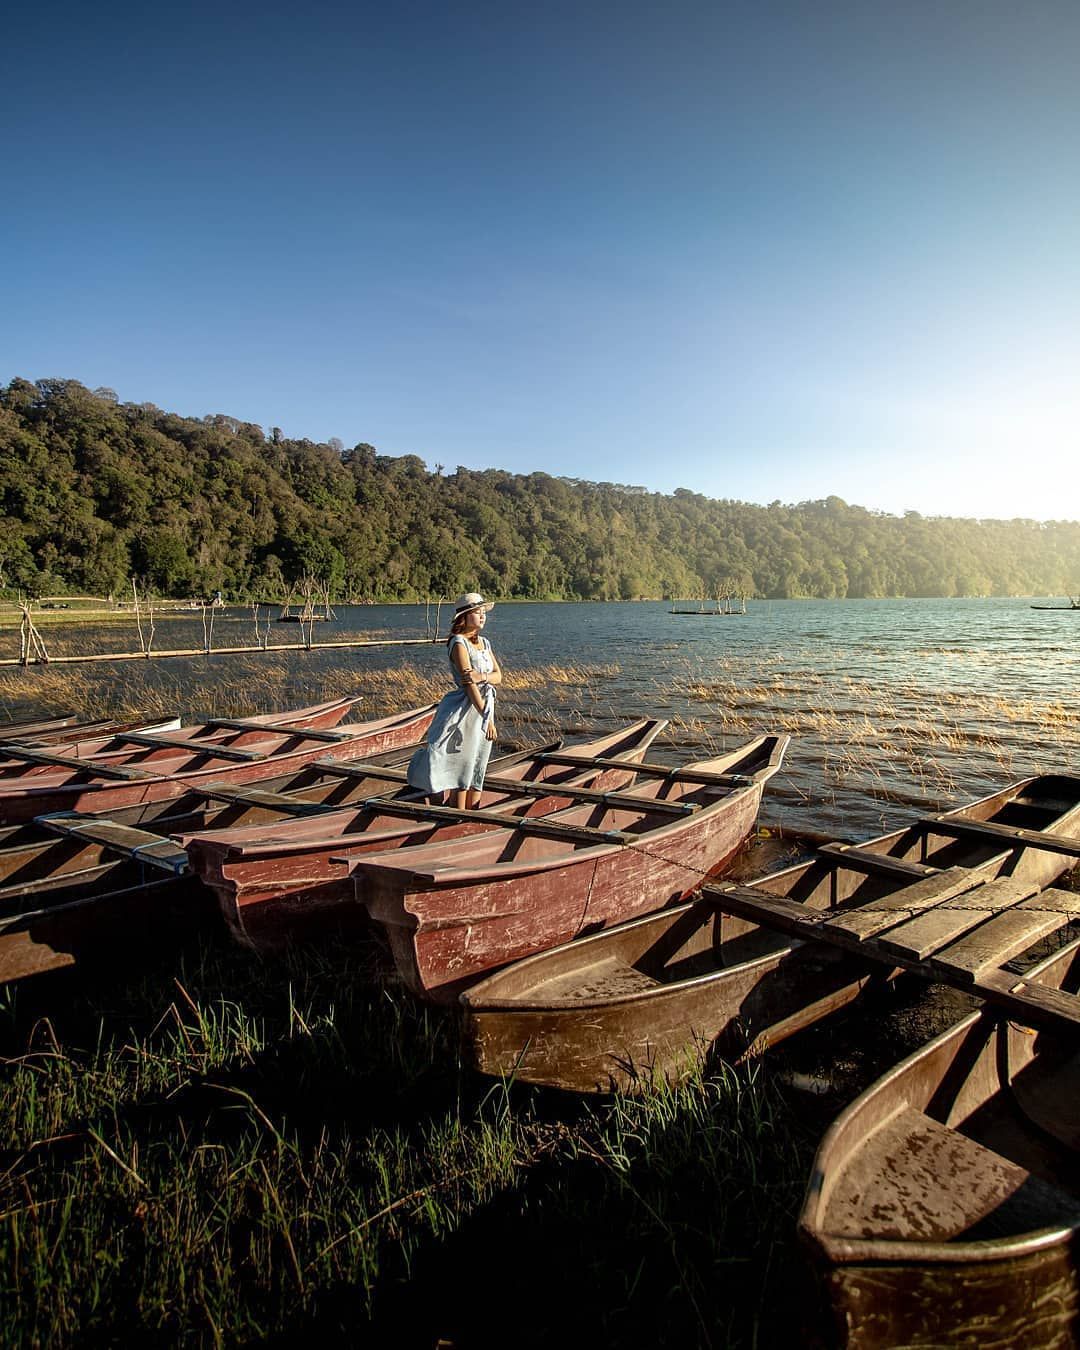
92,490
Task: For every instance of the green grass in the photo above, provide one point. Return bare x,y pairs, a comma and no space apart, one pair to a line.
227,1151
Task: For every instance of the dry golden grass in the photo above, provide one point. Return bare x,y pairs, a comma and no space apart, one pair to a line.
887,739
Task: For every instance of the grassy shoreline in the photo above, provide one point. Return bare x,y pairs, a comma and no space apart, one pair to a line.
224,1150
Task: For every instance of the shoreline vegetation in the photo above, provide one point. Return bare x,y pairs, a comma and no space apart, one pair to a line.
94,492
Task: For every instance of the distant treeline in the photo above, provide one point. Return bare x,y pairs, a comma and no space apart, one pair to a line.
93,491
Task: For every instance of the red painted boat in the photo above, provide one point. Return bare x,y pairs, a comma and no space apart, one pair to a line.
455,911
99,786
163,742
56,730
268,878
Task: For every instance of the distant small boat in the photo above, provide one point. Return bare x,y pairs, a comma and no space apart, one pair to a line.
944,1203
1073,605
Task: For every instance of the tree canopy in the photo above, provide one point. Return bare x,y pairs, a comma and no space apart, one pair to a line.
93,491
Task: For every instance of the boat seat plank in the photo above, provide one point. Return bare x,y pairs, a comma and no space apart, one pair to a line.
263,797
153,742
297,733
918,938
539,826
651,770
360,768
1007,935
600,798
863,922
140,845
1007,834
1029,1001
875,864
98,768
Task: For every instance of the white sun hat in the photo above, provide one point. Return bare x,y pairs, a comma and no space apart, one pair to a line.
471,600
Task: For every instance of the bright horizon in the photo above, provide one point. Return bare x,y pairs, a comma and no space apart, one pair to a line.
763,253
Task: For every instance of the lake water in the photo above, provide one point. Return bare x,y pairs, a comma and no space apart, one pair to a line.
895,707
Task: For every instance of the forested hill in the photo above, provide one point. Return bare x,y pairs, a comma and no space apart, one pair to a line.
93,491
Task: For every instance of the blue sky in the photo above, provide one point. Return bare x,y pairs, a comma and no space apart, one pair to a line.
758,250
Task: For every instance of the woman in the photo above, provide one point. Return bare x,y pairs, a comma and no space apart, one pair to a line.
459,742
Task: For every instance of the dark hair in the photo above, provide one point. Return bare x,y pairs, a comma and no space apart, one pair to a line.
458,625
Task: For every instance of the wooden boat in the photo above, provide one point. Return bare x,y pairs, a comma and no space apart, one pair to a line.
29,726
656,995
944,1203
455,911
75,886
268,879
72,732
102,784
122,744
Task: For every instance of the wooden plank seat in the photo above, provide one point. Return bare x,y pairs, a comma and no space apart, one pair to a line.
264,797
867,921
920,937
98,769
153,741
987,934
139,845
360,768
1007,834
876,864
650,770
542,788
535,825
331,737
1007,934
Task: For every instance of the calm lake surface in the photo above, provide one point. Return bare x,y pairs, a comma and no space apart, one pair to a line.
895,707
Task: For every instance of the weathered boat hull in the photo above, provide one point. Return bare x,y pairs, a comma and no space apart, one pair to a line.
26,800
110,747
453,917
65,731
268,880
657,995
944,1204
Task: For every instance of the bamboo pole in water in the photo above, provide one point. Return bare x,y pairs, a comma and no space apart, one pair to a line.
223,651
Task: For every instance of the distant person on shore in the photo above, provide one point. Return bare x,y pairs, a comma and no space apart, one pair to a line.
463,730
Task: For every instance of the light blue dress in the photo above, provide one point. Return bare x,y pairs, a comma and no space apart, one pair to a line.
457,749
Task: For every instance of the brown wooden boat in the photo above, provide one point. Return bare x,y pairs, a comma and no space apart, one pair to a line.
76,885
944,1204
269,879
162,744
101,785
454,911
656,995
28,726
54,730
